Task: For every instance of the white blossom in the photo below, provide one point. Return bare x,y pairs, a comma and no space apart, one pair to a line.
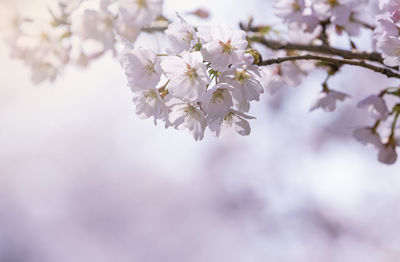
186,115
337,10
246,82
390,50
43,51
389,5
150,104
142,68
218,100
222,46
182,36
187,74
138,13
95,25
387,154
376,106
367,135
271,80
389,27
327,100
290,10
237,120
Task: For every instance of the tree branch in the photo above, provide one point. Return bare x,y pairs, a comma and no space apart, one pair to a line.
334,61
323,49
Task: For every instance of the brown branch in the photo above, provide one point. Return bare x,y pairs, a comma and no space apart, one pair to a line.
334,61
323,36
322,49
370,27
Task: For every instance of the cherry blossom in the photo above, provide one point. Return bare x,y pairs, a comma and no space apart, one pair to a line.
150,104
185,115
387,154
142,68
95,25
367,135
233,119
376,106
138,13
327,100
245,80
188,75
218,100
290,10
182,35
222,46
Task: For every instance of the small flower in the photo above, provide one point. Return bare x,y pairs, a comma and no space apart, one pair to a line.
290,10
138,13
188,75
291,73
390,50
271,80
182,35
222,46
126,32
367,135
149,104
376,106
389,27
218,100
337,10
327,100
387,154
389,5
246,83
95,25
185,115
234,119
142,68
42,51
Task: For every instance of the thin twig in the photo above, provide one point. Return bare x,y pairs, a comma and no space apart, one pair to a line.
276,45
334,61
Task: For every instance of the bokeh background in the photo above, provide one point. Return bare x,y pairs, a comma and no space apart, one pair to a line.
82,178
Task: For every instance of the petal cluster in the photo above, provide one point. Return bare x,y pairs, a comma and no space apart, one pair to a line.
205,79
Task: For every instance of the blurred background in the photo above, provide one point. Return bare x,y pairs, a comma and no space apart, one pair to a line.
82,178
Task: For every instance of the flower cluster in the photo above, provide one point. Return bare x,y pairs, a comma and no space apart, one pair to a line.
206,78
78,33
115,20
315,18
42,48
342,15
379,111
387,33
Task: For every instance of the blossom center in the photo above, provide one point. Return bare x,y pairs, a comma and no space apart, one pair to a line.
150,68
228,119
44,36
151,96
241,76
190,110
218,96
332,2
296,6
142,3
227,47
189,37
108,23
191,73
